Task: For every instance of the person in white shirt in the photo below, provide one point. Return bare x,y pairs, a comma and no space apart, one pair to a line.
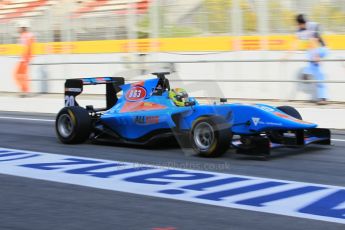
309,33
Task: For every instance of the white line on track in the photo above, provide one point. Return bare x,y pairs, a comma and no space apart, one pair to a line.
26,119
340,140
49,120
266,195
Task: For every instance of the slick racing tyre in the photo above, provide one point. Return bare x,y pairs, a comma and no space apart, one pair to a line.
210,136
73,125
277,136
289,110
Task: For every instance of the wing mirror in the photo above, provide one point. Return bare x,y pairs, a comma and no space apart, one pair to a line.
189,103
223,100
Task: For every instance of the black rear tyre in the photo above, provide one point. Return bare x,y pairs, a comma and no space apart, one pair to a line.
73,125
211,136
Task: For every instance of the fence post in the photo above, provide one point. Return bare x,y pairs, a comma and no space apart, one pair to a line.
154,25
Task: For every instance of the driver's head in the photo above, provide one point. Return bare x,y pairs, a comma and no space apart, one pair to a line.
23,26
179,96
301,21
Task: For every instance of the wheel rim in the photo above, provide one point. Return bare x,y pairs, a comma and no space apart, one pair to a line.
203,136
65,125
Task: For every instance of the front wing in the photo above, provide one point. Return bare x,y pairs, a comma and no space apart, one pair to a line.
262,145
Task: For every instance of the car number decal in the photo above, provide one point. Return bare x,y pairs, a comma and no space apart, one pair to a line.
136,93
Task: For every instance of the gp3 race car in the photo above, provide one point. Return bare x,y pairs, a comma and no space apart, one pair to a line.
149,112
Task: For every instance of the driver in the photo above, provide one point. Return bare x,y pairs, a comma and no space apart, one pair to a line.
179,96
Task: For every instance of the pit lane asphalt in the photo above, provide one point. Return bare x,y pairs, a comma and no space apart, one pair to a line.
35,204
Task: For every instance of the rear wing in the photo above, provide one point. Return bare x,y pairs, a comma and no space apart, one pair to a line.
74,87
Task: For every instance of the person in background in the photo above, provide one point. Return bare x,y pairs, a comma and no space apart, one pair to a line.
309,34
21,72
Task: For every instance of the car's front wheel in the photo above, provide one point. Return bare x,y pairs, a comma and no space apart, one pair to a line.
73,125
289,110
278,136
211,136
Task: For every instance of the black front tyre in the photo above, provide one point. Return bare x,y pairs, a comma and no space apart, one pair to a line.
289,110
73,125
211,136
278,136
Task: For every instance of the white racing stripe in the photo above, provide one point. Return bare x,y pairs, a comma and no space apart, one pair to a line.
289,198
26,119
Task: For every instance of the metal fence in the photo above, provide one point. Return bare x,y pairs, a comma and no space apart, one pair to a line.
181,18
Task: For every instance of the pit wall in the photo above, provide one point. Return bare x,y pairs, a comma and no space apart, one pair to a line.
179,50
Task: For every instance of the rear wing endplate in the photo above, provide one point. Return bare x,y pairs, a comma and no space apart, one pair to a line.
74,87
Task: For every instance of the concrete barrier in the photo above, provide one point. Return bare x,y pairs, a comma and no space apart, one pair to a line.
284,71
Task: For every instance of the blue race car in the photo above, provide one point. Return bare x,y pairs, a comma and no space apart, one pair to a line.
149,112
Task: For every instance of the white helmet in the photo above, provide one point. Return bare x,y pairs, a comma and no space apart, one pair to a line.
23,24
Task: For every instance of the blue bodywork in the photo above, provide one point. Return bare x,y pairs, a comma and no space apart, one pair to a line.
140,110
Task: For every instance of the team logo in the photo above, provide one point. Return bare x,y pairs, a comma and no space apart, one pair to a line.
266,108
136,93
73,90
146,120
256,120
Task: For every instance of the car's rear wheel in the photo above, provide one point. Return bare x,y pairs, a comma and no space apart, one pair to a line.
210,136
73,125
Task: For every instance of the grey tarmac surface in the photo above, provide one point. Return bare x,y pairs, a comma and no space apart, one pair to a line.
35,204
